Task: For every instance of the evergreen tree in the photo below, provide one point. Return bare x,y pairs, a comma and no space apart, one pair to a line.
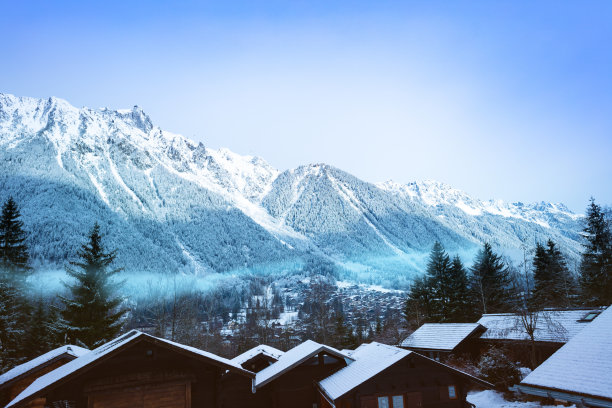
91,315
417,306
460,307
13,250
490,282
563,282
438,282
542,277
343,335
596,265
14,307
11,324
553,282
442,295
40,335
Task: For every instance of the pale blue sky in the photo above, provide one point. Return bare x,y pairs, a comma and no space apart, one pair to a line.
503,99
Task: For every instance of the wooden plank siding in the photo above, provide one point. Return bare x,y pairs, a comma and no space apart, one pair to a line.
420,382
296,388
148,373
138,371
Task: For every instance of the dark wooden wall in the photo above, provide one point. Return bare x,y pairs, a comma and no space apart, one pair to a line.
144,365
294,389
409,378
297,389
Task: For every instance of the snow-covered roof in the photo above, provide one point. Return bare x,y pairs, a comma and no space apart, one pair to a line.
583,365
27,367
293,358
257,350
369,361
440,336
76,365
556,326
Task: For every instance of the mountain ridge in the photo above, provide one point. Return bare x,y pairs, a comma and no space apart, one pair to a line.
186,207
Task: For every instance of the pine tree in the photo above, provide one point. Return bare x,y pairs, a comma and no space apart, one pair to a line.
542,277
596,265
439,283
343,336
563,285
490,282
91,315
417,305
14,307
553,282
442,295
40,335
11,327
13,250
460,305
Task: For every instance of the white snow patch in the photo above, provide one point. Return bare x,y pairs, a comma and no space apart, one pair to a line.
494,399
119,180
99,188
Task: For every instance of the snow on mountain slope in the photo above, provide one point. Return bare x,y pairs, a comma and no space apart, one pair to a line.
509,225
171,204
158,193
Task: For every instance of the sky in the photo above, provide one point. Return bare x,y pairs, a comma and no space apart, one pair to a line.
504,99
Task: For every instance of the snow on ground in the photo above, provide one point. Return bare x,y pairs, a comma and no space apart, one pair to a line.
494,399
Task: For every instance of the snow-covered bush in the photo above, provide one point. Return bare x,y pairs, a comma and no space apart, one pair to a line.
498,369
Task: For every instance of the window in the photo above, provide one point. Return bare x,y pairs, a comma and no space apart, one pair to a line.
452,393
398,401
590,316
383,402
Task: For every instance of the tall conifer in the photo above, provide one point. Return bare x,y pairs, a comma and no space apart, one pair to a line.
92,314
596,265
461,308
14,307
13,250
490,282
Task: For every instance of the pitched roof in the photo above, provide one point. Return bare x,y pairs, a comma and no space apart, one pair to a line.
257,350
293,358
43,360
370,360
440,336
557,326
75,366
582,366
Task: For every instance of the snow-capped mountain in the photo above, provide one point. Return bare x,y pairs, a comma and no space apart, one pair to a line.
170,204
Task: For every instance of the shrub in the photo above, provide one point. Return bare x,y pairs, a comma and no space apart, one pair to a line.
498,369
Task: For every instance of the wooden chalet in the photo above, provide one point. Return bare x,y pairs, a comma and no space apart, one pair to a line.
554,328
440,340
579,372
384,376
289,382
137,370
14,381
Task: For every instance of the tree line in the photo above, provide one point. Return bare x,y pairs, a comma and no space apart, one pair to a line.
90,314
450,292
